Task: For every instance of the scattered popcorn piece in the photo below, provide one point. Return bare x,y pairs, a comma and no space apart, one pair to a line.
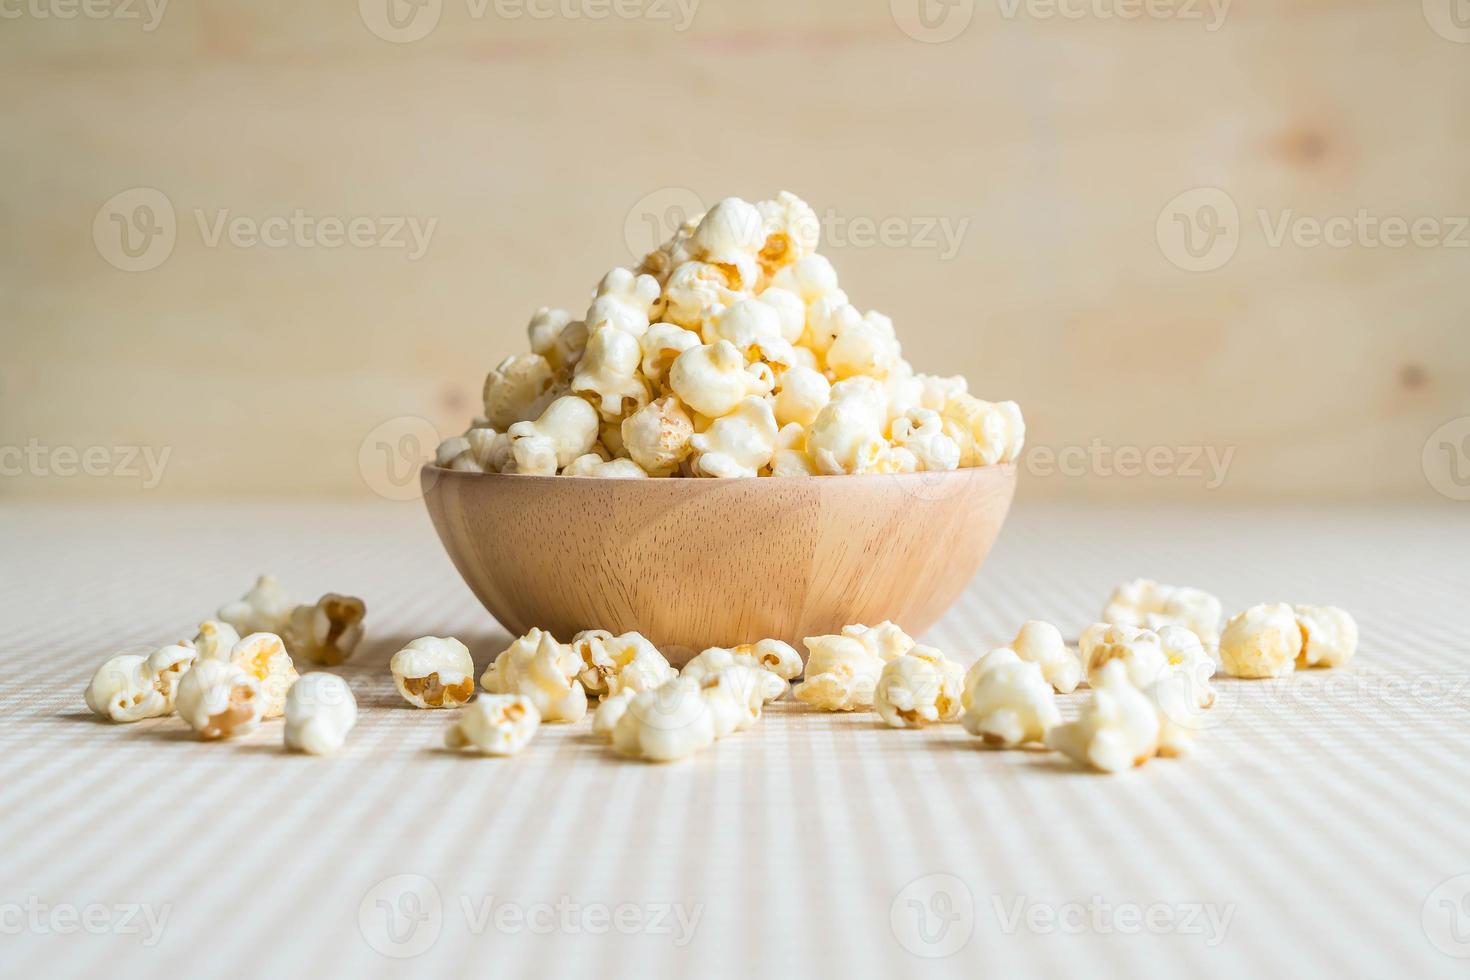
1263,641
711,661
496,724
841,673
1042,644
434,672
264,609
328,632
884,641
611,664
220,700
1008,701
567,429
215,640
1189,663
263,656
734,696
1140,651
1146,603
540,668
609,710
921,687
320,711
1180,715
1329,636
131,687
1116,730
670,723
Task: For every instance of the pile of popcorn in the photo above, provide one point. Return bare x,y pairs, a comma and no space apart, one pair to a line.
731,351
1148,664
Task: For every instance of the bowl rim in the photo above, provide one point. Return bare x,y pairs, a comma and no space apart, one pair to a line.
917,476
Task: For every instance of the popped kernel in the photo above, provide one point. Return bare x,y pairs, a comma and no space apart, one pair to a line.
266,608
328,632
567,429
1042,644
1140,650
434,672
220,700
1262,641
1152,605
215,640
669,723
320,711
263,656
1116,730
1008,701
841,674
734,696
1329,636
921,687
495,724
131,687
540,668
611,664
777,659
609,710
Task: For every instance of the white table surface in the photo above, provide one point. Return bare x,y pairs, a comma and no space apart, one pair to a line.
1324,822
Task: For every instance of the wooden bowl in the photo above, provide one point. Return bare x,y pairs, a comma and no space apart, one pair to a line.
694,563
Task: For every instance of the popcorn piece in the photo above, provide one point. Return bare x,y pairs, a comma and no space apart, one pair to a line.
1146,603
886,641
624,301
734,696
667,724
320,711
867,346
451,449
540,668
792,231
1263,641
567,429
697,291
609,710
921,432
790,312
611,664
264,609
549,338
131,687
434,672
1180,716
328,632
986,432
594,465
215,640
919,688
753,328
657,436
1008,701
850,421
263,656
801,394
609,372
780,662
1042,644
1329,636
738,444
811,278
1117,730
514,387
842,673
661,345
713,378
1140,650
496,724
220,700
1189,663
731,233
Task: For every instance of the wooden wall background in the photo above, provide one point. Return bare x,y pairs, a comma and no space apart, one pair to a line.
537,144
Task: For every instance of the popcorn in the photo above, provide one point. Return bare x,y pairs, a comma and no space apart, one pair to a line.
986,432
697,291
731,234
263,656
734,696
1263,641
517,384
801,393
847,429
434,672
867,347
1008,701
1189,662
657,436
842,673
623,302
549,338
612,664
661,345
778,660
670,723
540,668
919,688
215,640
792,232
591,464
320,711
566,430
1042,644
1329,636
328,632
610,373
264,609
737,444
884,641
496,724
1139,650
1117,730
1144,602
220,700
609,710
131,687
790,313
713,378
921,432
753,328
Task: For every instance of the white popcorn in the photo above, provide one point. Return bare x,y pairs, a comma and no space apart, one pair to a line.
801,394
540,668
593,465
328,632
697,291
811,278
779,661
1189,663
610,373
884,641
320,711
1146,603
790,312
919,688
849,427
661,345
545,332
567,429
732,232
657,436
670,723
792,231
1263,641
434,672
611,664
264,657
220,700
752,327
1116,730
1329,636
841,673
609,710
1140,651
866,347
738,444
713,378
1181,719
935,392
495,724
623,302
451,449
481,449
516,384
921,432
1042,644
734,696
1008,701
266,608
986,432
215,640
131,687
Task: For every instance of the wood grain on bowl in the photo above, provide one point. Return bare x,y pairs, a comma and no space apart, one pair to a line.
698,563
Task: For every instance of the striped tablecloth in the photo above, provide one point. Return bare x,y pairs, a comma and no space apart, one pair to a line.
1322,827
